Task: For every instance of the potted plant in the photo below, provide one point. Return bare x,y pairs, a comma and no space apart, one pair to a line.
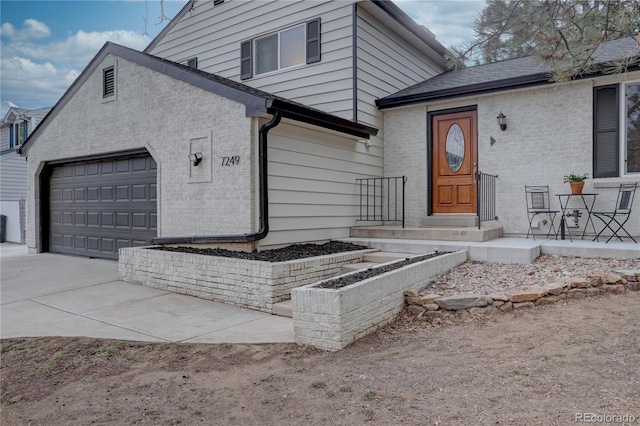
576,181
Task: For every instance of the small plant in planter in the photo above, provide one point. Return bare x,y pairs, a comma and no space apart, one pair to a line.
576,181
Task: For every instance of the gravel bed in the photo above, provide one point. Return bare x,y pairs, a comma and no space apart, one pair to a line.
292,252
487,278
346,280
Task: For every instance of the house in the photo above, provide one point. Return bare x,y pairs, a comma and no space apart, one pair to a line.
587,125
174,143
15,128
245,124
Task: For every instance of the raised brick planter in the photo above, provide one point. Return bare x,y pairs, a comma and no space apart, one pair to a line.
247,283
333,318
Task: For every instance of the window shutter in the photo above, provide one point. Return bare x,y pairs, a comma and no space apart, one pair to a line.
606,152
246,62
11,137
26,131
109,82
313,41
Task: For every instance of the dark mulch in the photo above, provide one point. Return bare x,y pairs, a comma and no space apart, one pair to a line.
346,280
292,252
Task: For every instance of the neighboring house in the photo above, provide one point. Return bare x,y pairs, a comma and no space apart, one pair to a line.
248,123
15,128
589,125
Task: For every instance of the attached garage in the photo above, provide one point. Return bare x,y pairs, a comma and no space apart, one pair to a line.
96,207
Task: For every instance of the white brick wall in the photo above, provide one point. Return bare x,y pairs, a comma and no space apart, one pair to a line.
163,115
549,135
332,319
251,284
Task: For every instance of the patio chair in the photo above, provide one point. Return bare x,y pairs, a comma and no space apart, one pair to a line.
615,220
538,204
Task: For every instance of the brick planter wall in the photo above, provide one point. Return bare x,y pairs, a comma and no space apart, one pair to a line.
333,318
251,284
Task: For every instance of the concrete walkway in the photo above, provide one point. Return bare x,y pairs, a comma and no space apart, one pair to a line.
55,295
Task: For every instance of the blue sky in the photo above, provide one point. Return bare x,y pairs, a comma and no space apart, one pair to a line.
46,44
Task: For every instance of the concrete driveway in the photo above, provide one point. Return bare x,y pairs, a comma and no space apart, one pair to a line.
54,295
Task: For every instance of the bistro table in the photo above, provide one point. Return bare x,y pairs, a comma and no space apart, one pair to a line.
588,201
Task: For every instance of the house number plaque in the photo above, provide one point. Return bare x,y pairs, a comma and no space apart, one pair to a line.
231,161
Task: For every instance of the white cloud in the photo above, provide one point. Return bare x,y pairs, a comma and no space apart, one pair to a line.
36,72
451,21
31,30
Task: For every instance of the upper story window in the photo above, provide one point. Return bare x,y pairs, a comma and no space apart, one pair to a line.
18,133
616,130
283,49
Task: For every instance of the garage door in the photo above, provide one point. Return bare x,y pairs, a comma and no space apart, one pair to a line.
97,207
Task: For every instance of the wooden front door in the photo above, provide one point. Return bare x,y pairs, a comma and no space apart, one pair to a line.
455,162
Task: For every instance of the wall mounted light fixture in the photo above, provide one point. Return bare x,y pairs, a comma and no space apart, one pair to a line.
195,158
502,121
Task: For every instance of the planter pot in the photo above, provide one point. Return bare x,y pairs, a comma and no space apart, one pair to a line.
576,187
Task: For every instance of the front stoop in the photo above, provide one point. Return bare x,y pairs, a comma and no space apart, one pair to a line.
487,232
283,308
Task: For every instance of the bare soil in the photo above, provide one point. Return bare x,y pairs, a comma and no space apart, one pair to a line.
542,366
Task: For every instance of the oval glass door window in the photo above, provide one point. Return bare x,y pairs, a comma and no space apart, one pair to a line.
454,148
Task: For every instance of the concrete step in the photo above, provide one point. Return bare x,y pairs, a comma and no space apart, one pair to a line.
352,267
487,232
283,308
450,220
384,257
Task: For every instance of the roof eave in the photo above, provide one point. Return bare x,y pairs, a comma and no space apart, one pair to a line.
321,119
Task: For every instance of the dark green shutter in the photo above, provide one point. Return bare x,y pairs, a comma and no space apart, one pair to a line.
25,133
313,40
606,140
246,63
12,142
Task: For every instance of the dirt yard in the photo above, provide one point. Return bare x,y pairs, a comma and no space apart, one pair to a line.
543,366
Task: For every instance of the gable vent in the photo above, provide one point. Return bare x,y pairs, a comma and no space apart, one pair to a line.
109,82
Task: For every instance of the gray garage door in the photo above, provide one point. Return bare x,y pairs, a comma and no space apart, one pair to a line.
96,207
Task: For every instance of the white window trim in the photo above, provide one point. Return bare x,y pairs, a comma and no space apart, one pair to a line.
255,51
622,126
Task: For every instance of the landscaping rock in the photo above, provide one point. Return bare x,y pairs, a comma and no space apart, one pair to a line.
507,307
431,307
527,295
633,286
611,278
555,288
523,305
461,301
596,280
487,310
573,282
498,303
594,291
614,288
548,300
499,296
576,293
410,292
427,299
412,300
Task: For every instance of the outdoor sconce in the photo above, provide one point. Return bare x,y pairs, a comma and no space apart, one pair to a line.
502,121
195,158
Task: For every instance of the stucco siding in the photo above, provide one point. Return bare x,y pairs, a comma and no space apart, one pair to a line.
312,189
549,134
203,200
213,34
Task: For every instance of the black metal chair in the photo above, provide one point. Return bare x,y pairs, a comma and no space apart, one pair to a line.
615,220
538,204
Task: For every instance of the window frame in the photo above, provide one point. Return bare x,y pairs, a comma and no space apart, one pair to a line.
312,49
278,53
108,92
622,126
18,133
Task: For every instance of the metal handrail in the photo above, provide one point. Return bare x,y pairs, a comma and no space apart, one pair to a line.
486,198
381,199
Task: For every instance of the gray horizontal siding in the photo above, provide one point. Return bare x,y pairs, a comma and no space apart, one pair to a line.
13,177
214,34
312,191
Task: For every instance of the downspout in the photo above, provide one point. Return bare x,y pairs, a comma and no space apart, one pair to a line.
263,193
